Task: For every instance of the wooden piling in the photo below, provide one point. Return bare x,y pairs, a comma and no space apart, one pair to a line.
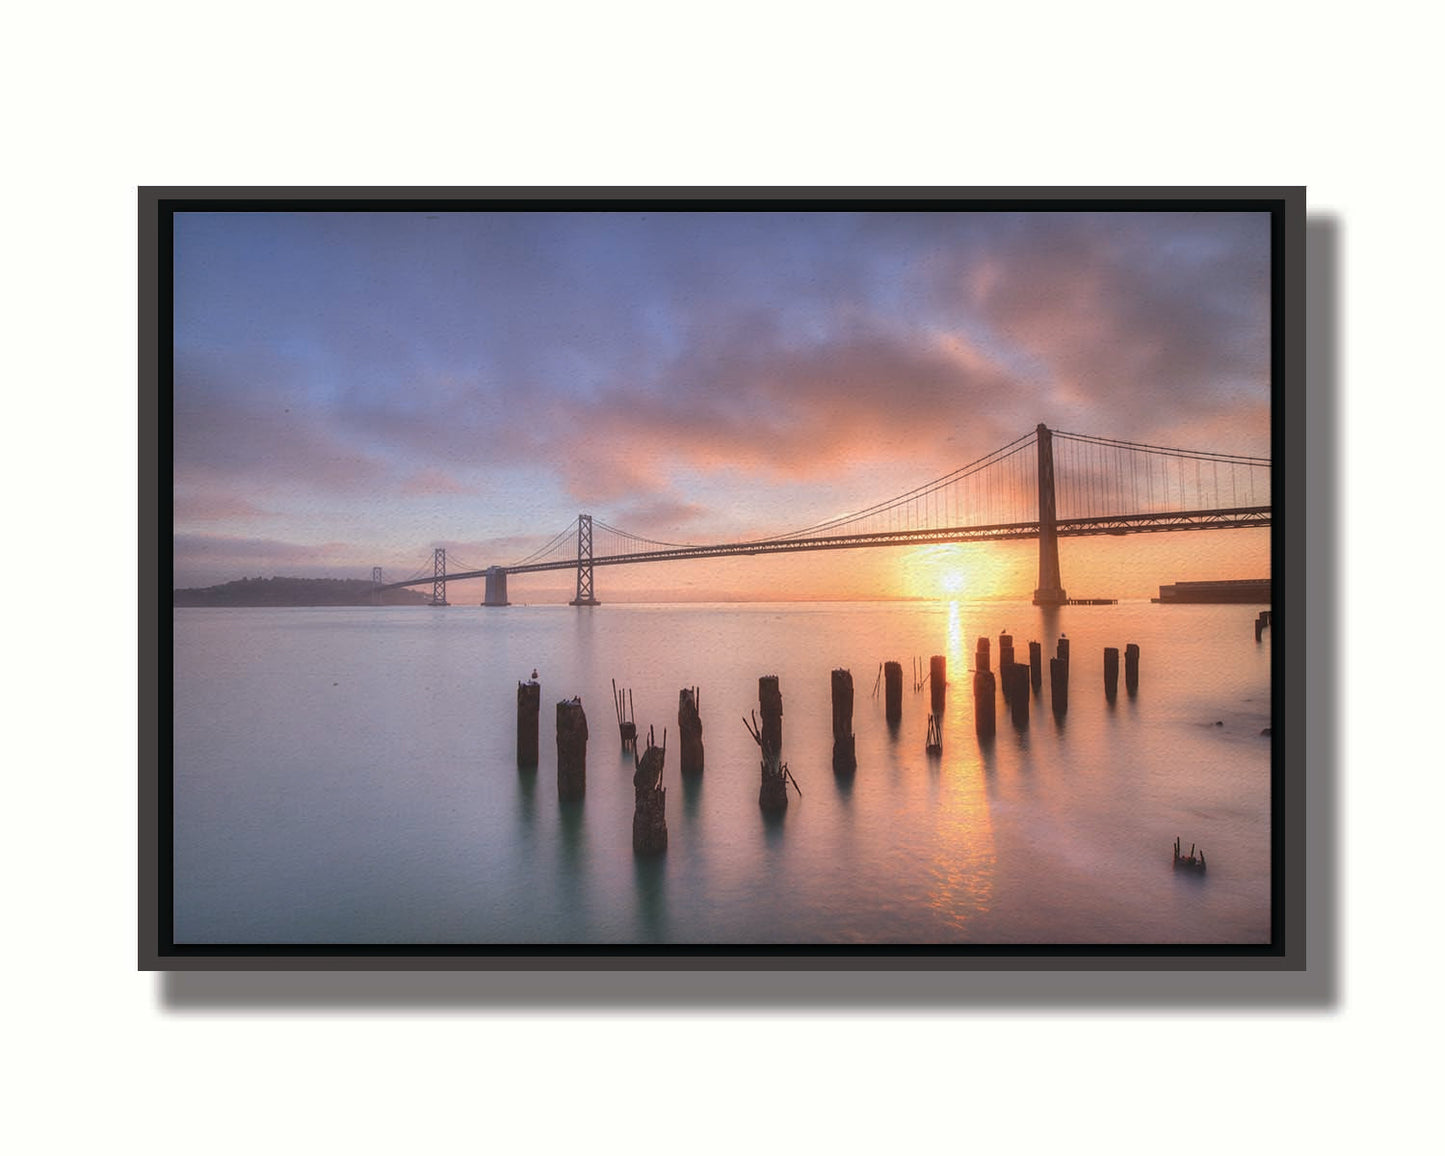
773,790
1036,666
571,750
689,726
529,706
626,727
844,746
770,706
983,704
649,814
1111,672
893,691
1005,657
980,656
1017,675
937,681
1131,668
1063,654
1059,685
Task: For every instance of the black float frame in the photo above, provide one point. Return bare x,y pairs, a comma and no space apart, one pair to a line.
1292,559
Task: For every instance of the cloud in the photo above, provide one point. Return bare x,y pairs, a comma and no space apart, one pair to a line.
750,400
1133,319
230,426
432,482
205,559
214,507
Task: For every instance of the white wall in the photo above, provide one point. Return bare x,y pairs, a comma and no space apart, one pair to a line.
904,94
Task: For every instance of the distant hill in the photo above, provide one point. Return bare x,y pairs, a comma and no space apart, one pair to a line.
293,592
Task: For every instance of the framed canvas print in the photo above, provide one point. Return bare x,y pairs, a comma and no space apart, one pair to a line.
837,578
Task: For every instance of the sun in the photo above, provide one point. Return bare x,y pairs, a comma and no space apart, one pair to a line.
943,570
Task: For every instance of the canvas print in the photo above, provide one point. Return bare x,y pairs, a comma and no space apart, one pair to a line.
646,574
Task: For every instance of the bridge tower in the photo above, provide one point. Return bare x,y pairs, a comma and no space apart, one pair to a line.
585,597
376,585
1051,587
439,578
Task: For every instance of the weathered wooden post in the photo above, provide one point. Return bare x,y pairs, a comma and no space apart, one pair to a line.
1059,685
773,791
844,746
626,727
649,815
1111,672
689,724
1131,668
1018,696
1063,653
1005,657
983,702
529,706
770,704
1036,666
980,655
893,691
937,681
571,750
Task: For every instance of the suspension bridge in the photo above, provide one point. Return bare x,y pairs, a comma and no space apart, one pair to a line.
1046,485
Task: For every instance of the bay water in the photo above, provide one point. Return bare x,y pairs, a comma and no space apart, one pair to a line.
348,776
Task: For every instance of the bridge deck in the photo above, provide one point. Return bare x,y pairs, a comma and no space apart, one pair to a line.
1239,518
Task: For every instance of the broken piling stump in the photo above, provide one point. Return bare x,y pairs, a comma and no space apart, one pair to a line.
1131,668
937,681
626,728
773,791
1005,657
770,706
980,655
649,815
1059,685
689,725
844,746
893,691
1036,666
1063,654
529,707
1190,862
983,702
1017,675
1111,672
571,750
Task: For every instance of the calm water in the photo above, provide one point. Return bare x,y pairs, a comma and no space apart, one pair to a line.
349,775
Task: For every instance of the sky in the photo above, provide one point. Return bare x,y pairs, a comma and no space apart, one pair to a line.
353,389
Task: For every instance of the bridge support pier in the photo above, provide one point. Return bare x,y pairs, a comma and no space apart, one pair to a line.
1050,590
496,587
